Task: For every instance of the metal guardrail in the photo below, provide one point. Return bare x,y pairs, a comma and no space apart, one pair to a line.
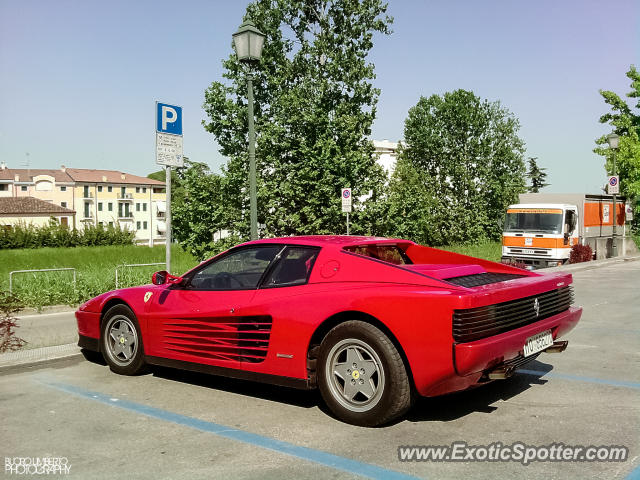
41,270
135,265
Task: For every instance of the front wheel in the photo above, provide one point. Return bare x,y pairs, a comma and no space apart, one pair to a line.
361,375
122,341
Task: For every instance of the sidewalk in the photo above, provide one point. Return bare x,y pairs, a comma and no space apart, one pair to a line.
36,356
572,267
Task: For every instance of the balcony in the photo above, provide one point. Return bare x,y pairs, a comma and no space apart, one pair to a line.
127,197
87,217
125,216
87,196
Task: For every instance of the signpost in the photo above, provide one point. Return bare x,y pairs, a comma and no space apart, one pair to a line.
168,153
346,204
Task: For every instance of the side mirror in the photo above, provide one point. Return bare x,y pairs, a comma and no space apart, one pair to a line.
566,238
162,277
159,278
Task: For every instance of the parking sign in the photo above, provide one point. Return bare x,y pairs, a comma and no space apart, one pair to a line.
613,186
169,135
168,119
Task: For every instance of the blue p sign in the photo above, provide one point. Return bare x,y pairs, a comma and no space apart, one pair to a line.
168,119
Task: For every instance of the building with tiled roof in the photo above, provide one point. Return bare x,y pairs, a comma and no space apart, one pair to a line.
31,210
96,196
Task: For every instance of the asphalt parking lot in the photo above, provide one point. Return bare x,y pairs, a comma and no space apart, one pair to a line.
173,424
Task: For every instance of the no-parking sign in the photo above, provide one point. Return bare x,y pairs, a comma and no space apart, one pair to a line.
613,186
346,200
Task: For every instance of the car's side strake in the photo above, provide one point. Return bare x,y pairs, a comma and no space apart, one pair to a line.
244,339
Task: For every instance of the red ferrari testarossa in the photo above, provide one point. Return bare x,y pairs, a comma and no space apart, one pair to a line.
371,322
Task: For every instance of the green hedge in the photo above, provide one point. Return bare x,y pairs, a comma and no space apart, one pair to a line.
24,235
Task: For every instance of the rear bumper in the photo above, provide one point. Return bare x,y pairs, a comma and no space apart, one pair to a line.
484,354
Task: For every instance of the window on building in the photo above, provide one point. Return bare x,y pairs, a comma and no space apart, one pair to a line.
24,188
99,206
144,189
137,189
87,212
101,224
144,225
110,189
144,207
63,204
110,207
111,224
86,191
63,189
137,207
100,188
4,187
123,191
138,225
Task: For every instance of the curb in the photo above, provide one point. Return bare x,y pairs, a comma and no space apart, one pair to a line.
36,356
591,265
46,309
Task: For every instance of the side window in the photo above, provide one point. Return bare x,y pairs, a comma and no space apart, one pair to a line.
239,270
293,268
570,221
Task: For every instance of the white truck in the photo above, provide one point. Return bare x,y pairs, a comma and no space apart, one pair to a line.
541,229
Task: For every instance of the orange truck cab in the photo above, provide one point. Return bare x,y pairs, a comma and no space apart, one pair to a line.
541,229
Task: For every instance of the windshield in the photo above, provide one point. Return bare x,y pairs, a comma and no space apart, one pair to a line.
541,221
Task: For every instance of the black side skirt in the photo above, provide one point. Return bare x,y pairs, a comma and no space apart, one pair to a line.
301,384
89,343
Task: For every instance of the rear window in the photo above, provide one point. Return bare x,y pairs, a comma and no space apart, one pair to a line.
387,253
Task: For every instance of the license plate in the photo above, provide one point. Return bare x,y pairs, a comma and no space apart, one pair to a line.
527,252
528,242
537,343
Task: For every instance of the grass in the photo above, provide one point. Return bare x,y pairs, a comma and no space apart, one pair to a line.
95,269
487,250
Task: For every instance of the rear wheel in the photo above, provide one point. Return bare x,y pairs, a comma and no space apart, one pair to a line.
122,341
361,375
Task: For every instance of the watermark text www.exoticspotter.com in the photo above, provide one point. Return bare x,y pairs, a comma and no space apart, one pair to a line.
36,466
515,452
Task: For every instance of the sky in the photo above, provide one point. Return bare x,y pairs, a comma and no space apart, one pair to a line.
79,79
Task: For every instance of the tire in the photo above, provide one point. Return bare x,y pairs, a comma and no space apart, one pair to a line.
121,341
368,399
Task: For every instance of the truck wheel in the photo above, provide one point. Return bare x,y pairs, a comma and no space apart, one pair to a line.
361,375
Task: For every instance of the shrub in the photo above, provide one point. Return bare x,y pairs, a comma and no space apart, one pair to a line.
9,304
580,253
54,234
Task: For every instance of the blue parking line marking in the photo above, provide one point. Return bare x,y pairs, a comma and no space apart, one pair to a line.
634,474
565,376
316,456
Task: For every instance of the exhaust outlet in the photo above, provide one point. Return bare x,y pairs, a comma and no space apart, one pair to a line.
500,373
557,347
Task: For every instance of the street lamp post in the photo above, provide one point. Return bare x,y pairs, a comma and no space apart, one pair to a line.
613,145
248,42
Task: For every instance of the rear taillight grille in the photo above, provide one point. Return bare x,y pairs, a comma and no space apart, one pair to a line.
482,322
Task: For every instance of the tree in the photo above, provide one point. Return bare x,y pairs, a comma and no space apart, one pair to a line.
537,175
625,122
314,107
461,166
199,211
